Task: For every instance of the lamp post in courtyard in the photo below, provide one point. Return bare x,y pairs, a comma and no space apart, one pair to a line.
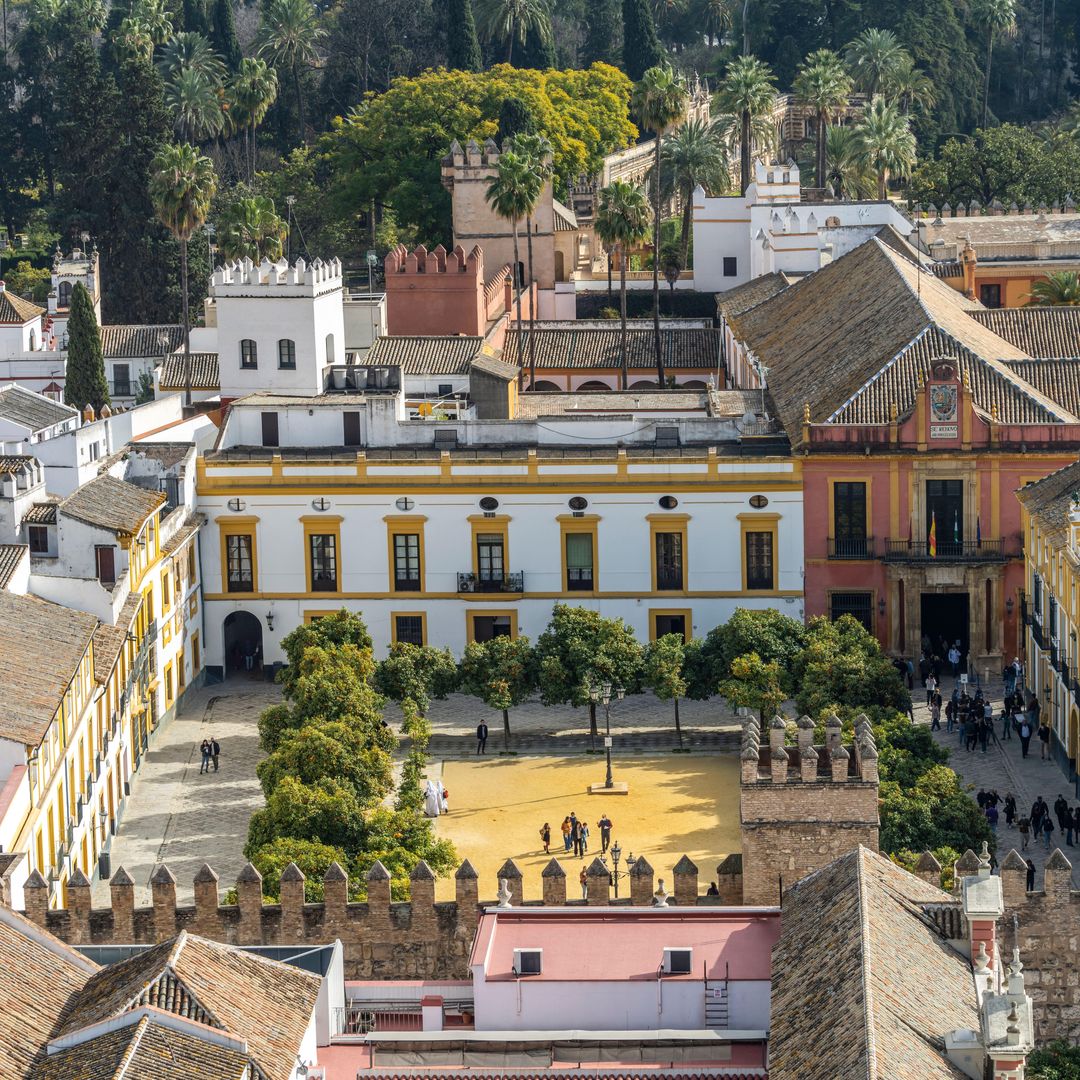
616,873
602,695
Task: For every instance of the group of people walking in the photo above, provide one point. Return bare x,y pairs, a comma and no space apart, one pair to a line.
576,834
209,752
974,721
1039,824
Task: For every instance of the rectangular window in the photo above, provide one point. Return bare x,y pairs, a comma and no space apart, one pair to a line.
38,537
269,429
579,562
249,354
323,555
168,685
990,295
191,564
670,623
669,560
122,380
945,513
857,604
759,560
351,423
166,594
409,628
489,560
849,519
286,353
170,487
105,558
196,654
731,266
407,562
241,577
486,627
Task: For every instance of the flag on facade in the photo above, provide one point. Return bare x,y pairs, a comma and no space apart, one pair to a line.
932,541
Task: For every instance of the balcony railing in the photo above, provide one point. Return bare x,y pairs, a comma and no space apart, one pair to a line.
852,547
579,578
946,551
669,580
490,583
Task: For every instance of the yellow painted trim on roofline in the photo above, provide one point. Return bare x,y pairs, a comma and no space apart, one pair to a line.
714,594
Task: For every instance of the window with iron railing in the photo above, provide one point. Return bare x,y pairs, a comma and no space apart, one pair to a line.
669,560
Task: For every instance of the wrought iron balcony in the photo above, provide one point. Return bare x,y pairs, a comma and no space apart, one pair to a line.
490,583
1036,634
970,551
851,547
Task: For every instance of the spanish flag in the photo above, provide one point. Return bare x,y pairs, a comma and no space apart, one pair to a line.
932,540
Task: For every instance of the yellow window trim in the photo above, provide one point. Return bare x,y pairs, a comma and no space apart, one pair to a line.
686,613
422,615
754,523
588,525
238,526
322,526
499,525
669,523
404,525
470,616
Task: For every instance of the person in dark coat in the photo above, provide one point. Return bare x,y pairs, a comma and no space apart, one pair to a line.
215,752
1030,876
481,737
1060,807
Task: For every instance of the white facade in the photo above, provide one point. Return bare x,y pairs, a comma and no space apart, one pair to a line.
78,268
741,237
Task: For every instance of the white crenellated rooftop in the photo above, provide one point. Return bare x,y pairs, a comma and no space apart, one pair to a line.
277,278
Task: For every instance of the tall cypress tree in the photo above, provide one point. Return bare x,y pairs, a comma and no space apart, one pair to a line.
641,48
538,52
85,382
462,47
223,34
603,33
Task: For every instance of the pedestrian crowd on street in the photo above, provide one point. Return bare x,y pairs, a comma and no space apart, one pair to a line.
209,752
1038,825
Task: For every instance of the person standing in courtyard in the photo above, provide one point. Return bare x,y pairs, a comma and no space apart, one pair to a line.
215,752
575,833
1060,806
605,833
583,833
1025,735
204,753
481,737
566,829
1030,876
545,838
1024,827
1044,741
931,688
954,661
935,712
584,879
1047,830
1010,809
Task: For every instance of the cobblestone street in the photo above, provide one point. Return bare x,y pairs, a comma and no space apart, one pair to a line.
177,816
1002,768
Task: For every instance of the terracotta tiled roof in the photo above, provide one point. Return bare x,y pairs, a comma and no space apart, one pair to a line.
1050,499
565,218
30,691
1041,332
145,1050
864,984
42,513
584,402
38,975
14,310
13,463
750,294
112,504
947,268
11,557
602,349
418,355
1059,380
120,342
34,411
204,372
848,340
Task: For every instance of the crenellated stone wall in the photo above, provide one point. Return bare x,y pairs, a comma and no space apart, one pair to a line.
382,939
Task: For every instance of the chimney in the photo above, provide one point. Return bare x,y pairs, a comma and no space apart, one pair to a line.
983,905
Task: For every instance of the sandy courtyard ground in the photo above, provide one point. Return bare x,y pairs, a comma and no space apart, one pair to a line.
678,804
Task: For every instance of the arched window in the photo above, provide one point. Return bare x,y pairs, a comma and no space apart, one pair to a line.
63,295
286,353
33,340
249,354
330,348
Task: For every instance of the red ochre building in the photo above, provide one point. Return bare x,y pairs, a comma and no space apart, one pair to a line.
917,414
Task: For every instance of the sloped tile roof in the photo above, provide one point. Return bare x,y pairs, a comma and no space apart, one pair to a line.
13,463
112,504
42,513
565,218
1059,380
848,339
120,342
864,984
30,691
38,976
750,294
425,355
593,349
35,411
11,557
947,268
14,310
204,372
1050,499
1041,332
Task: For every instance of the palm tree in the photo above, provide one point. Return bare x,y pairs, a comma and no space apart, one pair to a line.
252,91
659,101
190,51
873,58
511,20
847,169
155,18
694,155
1059,288
910,88
536,150
195,104
288,39
999,18
824,85
513,193
133,38
747,93
886,142
182,183
251,228
622,221
716,18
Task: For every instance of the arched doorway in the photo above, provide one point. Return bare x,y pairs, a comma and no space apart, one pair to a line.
243,644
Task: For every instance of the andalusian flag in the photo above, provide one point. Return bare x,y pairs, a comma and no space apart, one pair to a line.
932,540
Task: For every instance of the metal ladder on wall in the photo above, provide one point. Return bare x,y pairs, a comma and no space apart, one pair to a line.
716,1003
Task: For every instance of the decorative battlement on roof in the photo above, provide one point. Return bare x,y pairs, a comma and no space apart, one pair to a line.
436,261
832,762
474,155
275,279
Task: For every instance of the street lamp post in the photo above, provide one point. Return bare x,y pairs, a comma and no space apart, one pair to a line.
616,855
602,695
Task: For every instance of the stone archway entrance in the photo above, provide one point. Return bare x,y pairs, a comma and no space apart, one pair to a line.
243,643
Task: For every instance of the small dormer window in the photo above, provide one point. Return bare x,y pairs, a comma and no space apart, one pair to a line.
528,961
